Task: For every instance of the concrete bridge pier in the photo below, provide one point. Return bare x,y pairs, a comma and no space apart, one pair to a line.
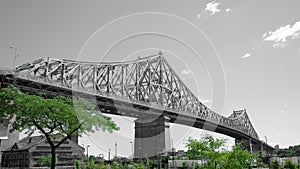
152,137
246,144
249,145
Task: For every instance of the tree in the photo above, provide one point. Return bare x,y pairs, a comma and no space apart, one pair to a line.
43,161
7,97
213,151
78,164
52,117
238,158
289,164
275,164
206,148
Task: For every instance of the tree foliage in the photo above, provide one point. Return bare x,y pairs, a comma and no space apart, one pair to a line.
289,152
275,165
216,156
206,148
44,161
238,158
289,164
52,117
7,97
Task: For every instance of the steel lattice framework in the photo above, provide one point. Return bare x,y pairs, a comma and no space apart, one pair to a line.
149,80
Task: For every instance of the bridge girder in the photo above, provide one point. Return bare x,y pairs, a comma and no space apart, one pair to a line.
150,82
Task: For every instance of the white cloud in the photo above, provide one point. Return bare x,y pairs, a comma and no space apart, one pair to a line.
199,16
228,10
212,7
280,36
246,55
281,112
186,71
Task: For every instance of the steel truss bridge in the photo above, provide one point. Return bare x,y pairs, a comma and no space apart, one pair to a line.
143,88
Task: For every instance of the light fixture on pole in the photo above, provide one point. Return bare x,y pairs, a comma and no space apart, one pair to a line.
172,152
116,150
109,155
131,148
266,145
87,151
140,153
15,56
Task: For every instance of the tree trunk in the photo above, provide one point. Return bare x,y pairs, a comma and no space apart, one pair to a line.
53,158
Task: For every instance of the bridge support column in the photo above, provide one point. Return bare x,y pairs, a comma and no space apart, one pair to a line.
152,137
245,143
250,145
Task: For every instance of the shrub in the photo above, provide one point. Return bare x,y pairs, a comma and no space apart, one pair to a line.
275,165
90,164
289,164
44,161
78,164
101,166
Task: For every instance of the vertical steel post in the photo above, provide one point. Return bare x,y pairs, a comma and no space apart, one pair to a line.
122,79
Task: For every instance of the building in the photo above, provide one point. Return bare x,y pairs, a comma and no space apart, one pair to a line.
282,160
26,152
7,137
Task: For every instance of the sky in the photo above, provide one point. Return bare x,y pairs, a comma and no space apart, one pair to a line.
231,54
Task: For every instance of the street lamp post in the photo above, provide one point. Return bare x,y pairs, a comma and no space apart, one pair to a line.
109,155
87,151
140,153
116,150
266,145
15,56
172,151
159,160
131,148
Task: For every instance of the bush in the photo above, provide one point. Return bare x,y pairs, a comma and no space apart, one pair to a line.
116,165
184,164
152,164
101,166
275,165
78,164
139,165
44,161
196,166
90,165
289,164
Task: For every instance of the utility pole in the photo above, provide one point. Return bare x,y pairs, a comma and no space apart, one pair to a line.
109,155
15,56
87,151
173,162
250,144
131,148
116,150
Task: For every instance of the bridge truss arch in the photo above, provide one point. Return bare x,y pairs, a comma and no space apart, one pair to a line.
148,82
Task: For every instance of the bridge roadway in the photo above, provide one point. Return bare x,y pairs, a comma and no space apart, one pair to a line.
124,107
